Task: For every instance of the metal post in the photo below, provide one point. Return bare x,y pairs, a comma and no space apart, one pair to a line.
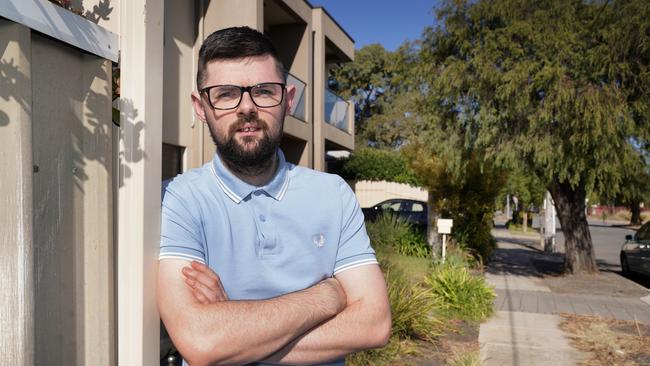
444,246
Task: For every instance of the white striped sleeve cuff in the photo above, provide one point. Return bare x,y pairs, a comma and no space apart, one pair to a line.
355,264
184,256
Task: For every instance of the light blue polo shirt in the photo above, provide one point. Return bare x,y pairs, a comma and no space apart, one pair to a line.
263,242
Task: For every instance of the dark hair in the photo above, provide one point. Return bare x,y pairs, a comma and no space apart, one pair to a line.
235,43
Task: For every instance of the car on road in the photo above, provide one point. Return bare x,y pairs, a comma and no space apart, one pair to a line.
413,211
635,253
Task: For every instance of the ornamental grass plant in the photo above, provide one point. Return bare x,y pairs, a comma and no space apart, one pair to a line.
458,292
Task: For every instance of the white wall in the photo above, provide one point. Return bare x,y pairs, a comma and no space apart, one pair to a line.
370,193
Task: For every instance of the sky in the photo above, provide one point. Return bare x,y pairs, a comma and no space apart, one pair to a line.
387,22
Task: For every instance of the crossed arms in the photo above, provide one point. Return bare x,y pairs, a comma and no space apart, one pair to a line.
333,318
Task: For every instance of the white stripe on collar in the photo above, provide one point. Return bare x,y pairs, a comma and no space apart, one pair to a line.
232,195
284,187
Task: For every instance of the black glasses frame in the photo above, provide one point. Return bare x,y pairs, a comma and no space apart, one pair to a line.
242,90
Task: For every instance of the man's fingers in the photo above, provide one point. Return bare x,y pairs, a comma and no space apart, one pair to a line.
200,297
210,295
212,283
198,266
208,284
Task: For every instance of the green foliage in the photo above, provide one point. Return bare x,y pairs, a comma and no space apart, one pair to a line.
528,189
413,317
376,165
379,83
396,234
560,86
465,193
459,293
413,312
385,356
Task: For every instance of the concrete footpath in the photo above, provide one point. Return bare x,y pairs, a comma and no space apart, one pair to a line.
531,295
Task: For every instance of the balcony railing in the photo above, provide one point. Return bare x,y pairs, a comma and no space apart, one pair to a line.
298,108
336,110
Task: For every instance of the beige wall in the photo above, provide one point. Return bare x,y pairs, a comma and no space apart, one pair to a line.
72,147
370,193
16,244
58,112
102,12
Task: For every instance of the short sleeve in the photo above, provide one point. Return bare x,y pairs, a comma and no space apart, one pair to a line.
180,228
354,245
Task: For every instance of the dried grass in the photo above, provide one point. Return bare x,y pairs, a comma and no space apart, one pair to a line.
608,342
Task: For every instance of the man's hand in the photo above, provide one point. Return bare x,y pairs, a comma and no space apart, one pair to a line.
207,288
205,283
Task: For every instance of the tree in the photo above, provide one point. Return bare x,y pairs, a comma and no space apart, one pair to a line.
377,81
562,86
528,189
466,195
635,188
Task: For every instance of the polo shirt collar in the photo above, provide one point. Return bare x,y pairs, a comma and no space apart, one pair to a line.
236,189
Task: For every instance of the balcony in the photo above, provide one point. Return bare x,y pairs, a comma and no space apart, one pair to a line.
298,109
336,111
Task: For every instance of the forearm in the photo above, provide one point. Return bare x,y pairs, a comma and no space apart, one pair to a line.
239,332
356,328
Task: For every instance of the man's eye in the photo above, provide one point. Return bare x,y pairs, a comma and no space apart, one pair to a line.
263,91
225,94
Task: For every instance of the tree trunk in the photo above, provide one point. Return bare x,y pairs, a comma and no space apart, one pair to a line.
635,208
579,254
525,223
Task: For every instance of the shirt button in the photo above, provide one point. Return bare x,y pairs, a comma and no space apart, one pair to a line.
257,193
262,218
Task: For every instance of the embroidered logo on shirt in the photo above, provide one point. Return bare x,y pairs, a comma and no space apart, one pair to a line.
319,240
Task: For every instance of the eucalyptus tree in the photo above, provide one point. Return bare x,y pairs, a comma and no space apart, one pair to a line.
561,87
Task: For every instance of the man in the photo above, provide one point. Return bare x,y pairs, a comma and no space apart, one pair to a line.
261,261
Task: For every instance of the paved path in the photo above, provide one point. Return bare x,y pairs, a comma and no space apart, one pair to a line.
530,296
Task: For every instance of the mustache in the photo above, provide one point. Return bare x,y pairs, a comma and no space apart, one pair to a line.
242,122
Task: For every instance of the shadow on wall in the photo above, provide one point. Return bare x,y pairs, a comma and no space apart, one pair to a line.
97,126
11,78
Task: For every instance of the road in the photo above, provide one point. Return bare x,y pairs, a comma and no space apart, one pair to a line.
607,237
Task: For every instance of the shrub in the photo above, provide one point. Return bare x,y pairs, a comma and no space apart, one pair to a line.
414,316
412,308
459,293
396,234
475,234
377,165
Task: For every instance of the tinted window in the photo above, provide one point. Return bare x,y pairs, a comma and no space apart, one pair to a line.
417,207
391,205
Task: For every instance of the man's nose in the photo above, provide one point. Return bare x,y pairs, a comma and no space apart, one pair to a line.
246,106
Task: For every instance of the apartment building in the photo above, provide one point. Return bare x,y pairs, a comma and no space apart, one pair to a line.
80,181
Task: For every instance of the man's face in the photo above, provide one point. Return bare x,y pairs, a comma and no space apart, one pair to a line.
247,136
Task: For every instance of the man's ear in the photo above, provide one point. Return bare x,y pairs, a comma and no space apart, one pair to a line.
291,93
198,106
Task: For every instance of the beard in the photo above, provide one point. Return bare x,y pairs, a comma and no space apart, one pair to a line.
252,156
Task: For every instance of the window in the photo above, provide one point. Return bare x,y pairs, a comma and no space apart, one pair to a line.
391,205
417,207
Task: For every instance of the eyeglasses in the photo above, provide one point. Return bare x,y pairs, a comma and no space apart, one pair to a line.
265,95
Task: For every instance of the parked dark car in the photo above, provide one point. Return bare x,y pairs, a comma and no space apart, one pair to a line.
412,211
635,253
